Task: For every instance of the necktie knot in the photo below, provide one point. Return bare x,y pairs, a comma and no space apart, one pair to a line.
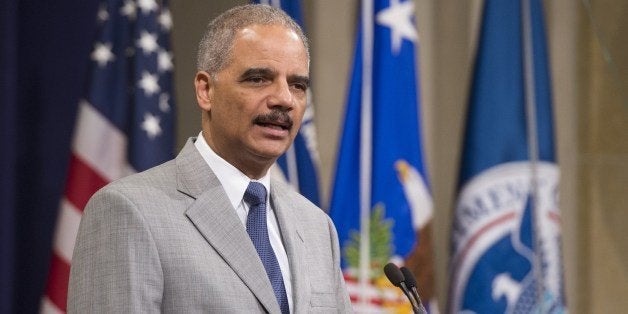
255,194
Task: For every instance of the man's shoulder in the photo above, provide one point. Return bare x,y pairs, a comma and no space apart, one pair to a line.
160,177
148,192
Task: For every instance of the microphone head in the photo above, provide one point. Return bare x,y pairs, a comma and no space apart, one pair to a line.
409,276
394,274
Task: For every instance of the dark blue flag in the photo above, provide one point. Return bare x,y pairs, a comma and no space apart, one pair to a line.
506,237
125,122
299,165
381,202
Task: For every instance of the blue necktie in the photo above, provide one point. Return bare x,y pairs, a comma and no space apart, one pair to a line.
255,196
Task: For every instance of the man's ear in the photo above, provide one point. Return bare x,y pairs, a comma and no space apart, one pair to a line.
204,90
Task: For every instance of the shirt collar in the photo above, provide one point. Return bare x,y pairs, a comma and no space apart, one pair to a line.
232,180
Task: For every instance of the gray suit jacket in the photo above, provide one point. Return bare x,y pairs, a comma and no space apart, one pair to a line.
168,240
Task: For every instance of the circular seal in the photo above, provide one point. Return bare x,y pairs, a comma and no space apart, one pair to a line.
506,222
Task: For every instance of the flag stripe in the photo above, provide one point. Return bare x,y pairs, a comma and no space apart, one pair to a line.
375,295
47,307
82,182
59,275
100,143
67,228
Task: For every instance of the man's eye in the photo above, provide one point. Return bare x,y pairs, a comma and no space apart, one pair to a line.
256,79
302,87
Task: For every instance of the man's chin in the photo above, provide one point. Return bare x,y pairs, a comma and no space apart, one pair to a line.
272,156
270,152
271,148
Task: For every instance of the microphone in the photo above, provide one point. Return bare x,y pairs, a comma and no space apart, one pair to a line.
412,285
396,278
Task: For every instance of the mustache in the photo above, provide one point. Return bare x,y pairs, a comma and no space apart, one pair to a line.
276,116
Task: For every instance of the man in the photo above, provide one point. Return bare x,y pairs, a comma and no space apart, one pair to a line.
210,231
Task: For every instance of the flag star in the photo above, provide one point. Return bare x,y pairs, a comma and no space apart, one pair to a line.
147,6
102,54
129,9
163,102
103,15
148,42
164,60
151,125
399,18
165,20
148,83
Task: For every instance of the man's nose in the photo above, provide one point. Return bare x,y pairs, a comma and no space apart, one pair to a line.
281,96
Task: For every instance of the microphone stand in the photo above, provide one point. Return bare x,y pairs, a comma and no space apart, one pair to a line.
413,302
411,282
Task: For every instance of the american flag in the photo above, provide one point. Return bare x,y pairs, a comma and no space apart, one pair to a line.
125,122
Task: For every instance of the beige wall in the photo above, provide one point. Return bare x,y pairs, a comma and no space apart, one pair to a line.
591,119
602,150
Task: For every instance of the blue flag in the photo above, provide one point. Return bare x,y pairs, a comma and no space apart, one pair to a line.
505,236
125,121
299,165
380,200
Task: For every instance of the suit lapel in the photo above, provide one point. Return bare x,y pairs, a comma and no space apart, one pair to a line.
291,233
216,219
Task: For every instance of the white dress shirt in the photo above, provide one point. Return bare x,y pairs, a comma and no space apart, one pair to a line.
235,183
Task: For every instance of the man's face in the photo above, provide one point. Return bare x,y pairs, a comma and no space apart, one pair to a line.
256,103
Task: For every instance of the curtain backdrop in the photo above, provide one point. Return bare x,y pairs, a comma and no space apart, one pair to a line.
44,49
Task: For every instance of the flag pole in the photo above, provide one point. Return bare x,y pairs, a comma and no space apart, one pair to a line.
293,169
366,149
533,145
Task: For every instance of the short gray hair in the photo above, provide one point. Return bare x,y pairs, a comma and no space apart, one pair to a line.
214,49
